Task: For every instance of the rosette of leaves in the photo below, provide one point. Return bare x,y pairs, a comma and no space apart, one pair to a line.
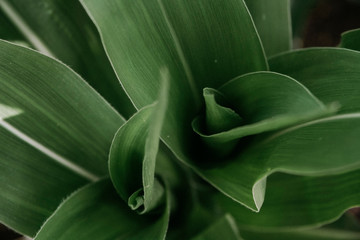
174,119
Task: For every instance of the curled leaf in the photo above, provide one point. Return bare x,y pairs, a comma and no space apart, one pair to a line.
133,154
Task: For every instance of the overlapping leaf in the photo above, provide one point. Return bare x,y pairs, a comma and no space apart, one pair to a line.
262,107
320,147
301,202
32,184
62,29
167,42
55,133
273,22
97,212
203,45
224,228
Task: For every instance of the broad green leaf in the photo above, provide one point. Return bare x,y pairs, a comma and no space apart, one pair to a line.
202,44
32,184
351,39
56,132
258,101
321,147
345,228
62,29
97,212
331,74
224,228
59,110
296,202
133,154
273,22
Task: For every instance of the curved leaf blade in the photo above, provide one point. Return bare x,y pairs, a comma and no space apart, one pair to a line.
268,109
133,154
53,126
62,29
331,74
303,202
320,147
60,110
97,205
151,34
263,107
350,39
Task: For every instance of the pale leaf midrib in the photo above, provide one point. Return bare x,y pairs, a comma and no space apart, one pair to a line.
48,152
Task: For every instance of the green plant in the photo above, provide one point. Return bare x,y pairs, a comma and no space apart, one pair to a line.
209,124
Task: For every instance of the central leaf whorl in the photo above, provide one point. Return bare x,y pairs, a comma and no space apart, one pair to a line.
251,104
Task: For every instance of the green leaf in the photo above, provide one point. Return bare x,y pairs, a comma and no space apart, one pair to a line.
267,110
321,147
331,74
350,39
218,118
96,212
303,202
273,22
133,154
202,44
346,228
224,228
32,184
315,234
62,29
56,132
